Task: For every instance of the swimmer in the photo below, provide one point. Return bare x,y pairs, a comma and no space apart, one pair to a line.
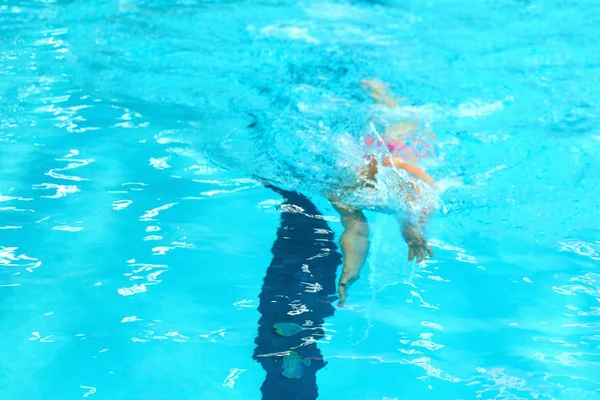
355,239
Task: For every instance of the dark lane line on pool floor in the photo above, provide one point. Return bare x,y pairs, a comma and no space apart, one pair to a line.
298,290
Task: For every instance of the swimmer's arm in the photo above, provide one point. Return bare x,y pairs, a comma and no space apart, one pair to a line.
413,169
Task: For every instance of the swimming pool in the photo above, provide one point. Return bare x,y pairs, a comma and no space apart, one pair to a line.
141,258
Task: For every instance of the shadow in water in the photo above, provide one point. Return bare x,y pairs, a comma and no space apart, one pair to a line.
299,287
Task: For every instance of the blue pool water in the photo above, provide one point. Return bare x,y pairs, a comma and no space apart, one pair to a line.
142,257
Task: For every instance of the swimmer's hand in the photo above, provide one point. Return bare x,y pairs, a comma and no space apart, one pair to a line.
417,245
378,92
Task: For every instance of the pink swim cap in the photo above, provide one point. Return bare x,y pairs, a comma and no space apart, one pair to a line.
393,145
400,149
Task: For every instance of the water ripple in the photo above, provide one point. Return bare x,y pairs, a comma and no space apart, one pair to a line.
104,138
586,249
10,258
60,190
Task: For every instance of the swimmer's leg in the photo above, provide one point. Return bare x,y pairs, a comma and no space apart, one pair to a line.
355,246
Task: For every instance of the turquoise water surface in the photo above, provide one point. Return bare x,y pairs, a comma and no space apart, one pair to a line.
142,256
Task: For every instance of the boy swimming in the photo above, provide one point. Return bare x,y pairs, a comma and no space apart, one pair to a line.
355,239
